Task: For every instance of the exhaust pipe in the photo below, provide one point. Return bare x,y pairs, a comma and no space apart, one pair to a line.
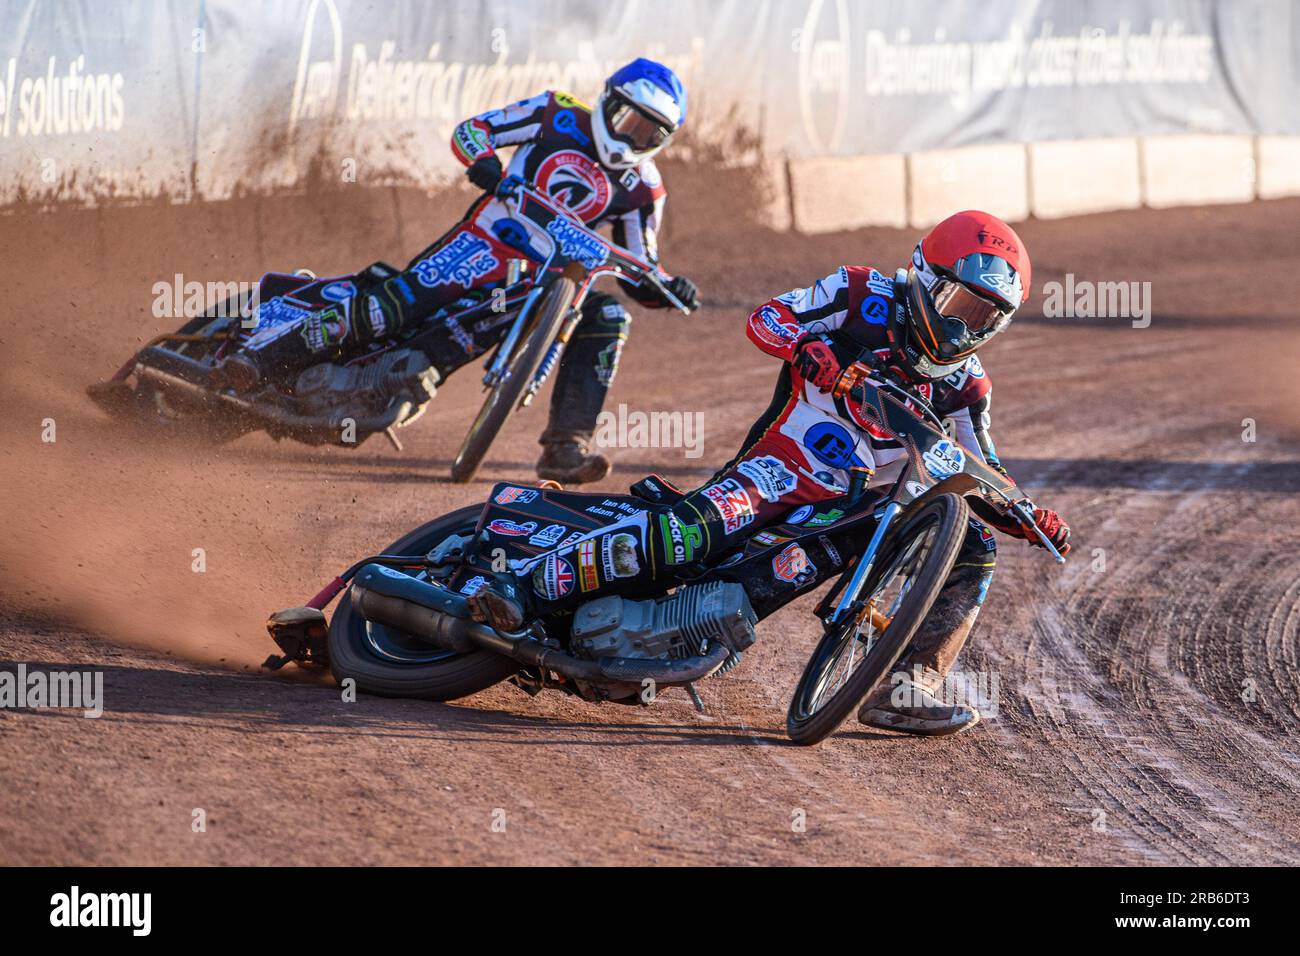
441,617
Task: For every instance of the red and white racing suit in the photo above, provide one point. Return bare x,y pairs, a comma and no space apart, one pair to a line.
795,458
820,436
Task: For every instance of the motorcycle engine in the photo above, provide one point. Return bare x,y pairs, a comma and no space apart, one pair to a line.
679,626
366,388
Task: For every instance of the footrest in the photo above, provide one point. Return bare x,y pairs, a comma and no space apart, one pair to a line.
302,634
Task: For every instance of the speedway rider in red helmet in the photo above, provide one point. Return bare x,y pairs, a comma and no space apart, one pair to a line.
921,328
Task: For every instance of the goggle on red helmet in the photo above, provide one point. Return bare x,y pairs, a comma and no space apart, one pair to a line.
968,276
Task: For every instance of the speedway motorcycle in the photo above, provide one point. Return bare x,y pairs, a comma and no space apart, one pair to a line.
170,382
402,627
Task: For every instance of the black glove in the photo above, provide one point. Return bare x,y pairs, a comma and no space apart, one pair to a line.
485,173
685,291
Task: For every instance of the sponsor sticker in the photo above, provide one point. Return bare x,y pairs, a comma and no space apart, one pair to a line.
575,180
323,330
987,537
618,556
588,579
548,536
875,310
465,259
770,476
566,121
459,335
832,552
880,284
607,362
680,538
375,313
769,327
768,538
823,518
473,584
521,496
828,481
511,529
576,244
472,138
732,503
553,577
799,515
338,291
944,458
831,444
794,566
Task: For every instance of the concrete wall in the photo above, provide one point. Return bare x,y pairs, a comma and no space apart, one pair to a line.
829,195
1277,166
1048,179
1072,177
1193,170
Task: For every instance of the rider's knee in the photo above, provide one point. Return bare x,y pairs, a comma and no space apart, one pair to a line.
605,314
980,545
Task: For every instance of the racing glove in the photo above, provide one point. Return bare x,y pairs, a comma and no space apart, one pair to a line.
685,291
816,363
1054,527
1049,522
485,173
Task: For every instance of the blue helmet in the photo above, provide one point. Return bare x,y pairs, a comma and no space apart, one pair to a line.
641,107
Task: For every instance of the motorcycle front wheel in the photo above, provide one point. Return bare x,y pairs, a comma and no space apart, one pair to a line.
857,651
501,401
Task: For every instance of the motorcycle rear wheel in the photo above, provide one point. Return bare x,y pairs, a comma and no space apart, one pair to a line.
389,663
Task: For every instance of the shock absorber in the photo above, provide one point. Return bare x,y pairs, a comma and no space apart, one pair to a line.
551,358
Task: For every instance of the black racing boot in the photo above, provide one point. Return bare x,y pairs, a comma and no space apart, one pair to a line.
237,372
568,462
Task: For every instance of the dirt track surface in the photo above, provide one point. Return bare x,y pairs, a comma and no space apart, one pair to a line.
1148,703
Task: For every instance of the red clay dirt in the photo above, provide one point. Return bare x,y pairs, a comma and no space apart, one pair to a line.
1148,690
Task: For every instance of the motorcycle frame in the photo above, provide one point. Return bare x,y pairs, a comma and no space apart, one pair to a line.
909,419
537,212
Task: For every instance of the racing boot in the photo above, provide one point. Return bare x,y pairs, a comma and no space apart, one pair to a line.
910,703
237,372
566,459
499,603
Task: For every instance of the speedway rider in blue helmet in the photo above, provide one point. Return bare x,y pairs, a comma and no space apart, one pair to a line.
599,163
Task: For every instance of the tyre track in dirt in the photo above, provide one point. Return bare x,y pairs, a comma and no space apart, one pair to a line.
1120,690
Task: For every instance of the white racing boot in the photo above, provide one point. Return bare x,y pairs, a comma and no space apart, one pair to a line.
910,703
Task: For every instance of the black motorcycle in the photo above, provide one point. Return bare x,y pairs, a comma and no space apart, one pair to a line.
403,628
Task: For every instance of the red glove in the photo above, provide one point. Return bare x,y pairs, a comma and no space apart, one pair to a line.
1049,522
1054,527
816,363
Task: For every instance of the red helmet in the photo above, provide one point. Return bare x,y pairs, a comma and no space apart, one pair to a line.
968,275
